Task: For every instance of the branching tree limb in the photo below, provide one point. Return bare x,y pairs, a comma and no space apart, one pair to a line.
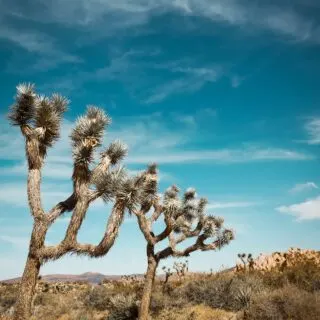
184,218
39,119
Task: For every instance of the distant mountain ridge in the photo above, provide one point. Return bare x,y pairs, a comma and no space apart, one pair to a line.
91,277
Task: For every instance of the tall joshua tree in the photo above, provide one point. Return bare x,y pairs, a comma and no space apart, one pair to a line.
39,119
184,219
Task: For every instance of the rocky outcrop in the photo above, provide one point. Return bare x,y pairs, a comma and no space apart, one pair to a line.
280,260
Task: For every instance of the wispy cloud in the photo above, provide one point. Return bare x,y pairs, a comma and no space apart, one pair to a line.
48,55
19,242
300,187
149,139
191,80
236,81
132,67
224,156
281,19
307,210
16,194
227,205
313,130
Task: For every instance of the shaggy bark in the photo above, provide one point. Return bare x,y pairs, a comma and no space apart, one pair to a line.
148,285
184,219
39,119
26,293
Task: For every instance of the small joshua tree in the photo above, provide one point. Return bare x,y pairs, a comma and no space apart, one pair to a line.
39,119
247,261
168,273
184,219
181,268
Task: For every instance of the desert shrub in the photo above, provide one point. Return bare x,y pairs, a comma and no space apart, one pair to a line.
123,307
51,306
304,275
97,298
288,302
7,297
226,291
162,300
124,288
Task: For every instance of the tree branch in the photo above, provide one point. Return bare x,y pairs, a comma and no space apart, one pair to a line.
70,244
109,237
61,208
145,227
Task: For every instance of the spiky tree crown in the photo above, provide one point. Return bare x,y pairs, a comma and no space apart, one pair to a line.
40,118
184,217
22,111
37,111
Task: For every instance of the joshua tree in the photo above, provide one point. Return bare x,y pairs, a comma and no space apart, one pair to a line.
39,119
181,268
247,261
242,257
184,219
168,273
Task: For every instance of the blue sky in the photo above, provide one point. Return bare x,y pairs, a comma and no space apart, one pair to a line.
224,95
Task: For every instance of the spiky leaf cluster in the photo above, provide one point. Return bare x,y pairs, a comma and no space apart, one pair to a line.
88,133
189,218
152,169
111,183
22,112
149,188
43,115
90,126
212,225
171,202
202,207
225,236
130,194
48,115
116,151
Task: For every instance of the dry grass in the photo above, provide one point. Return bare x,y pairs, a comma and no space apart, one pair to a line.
199,312
292,294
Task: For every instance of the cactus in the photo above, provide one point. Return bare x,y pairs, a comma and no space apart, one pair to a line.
39,119
184,219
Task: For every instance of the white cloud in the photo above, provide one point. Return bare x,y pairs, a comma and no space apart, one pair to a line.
128,68
192,79
227,205
307,210
300,187
313,130
149,139
223,156
17,241
49,56
123,14
16,194
52,169
236,81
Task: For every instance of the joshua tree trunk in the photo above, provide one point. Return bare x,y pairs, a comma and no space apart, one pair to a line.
27,288
147,290
31,272
39,119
